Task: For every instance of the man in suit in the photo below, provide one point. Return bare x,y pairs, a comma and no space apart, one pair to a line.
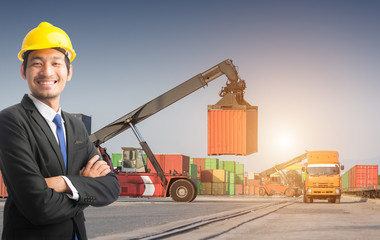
50,168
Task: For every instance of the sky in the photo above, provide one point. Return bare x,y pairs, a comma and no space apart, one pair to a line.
311,67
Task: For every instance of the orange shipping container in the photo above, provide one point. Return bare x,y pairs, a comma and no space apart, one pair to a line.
171,163
200,162
239,189
247,189
251,190
232,132
253,182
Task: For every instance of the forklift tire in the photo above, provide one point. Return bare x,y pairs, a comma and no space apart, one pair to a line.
182,190
290,192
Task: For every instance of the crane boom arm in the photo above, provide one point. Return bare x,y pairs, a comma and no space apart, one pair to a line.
226,67
283,165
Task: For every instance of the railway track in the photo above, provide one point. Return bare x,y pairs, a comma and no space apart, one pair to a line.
211,228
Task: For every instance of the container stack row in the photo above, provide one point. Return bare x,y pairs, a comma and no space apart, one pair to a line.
223,178
360,176
210,175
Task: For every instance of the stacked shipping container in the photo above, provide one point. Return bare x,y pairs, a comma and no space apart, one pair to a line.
171,164
213,182
195,174
219,175
239,179
233,181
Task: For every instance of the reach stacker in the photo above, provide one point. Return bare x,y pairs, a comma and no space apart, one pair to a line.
134,177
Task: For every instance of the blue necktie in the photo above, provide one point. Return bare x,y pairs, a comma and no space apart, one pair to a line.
61,137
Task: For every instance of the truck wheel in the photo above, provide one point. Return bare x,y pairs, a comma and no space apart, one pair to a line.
289,192
262,192
182,191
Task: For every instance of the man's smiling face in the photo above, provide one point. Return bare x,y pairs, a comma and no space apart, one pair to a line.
46,74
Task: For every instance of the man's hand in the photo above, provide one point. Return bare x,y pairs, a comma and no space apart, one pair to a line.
95,168
58,184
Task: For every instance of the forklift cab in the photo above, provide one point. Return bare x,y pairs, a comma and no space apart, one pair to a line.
133,160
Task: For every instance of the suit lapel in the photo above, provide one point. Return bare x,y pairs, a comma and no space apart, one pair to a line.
41,122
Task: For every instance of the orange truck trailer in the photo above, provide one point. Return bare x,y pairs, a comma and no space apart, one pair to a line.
322,176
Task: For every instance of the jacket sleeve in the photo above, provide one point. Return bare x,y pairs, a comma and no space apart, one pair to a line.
99,191
22,175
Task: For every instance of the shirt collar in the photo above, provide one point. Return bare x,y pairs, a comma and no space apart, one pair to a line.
47,112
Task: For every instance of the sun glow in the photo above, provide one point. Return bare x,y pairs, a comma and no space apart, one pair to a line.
284,141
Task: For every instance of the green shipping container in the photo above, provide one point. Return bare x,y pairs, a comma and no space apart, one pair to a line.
231,189
191,161
239,169
345,180
239,178
116,159
229,166
221,165
227,182
193,171
211,163
378,180
232,178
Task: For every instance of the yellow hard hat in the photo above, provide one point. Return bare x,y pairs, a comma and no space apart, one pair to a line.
47,36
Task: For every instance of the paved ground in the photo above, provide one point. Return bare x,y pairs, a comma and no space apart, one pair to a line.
320,220
352,219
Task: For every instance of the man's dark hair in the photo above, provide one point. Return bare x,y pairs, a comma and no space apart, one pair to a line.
26,55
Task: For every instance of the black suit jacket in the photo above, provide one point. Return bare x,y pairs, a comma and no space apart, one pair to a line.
29,153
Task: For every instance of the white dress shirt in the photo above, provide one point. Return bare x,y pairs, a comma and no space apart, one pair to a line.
48,113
